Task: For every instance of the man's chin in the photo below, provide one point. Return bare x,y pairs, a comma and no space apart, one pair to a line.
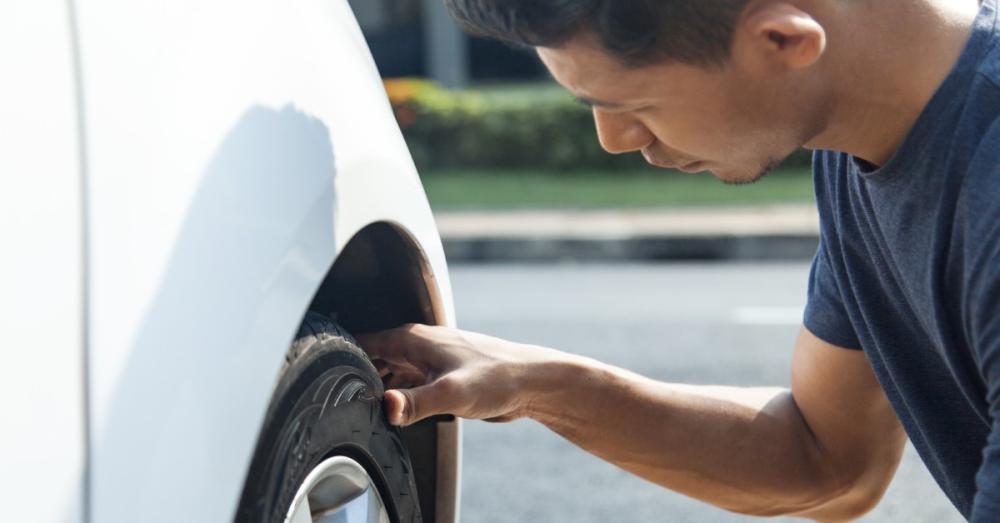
738,180
728,176
744,177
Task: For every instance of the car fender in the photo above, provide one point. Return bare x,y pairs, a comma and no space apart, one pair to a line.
233,149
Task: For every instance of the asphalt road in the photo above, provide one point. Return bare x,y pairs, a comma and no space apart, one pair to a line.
719,324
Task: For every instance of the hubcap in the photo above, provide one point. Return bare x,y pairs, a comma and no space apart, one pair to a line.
339,490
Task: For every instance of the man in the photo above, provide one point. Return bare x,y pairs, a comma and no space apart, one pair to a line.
901,333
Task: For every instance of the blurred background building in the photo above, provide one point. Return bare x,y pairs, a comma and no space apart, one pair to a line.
419,38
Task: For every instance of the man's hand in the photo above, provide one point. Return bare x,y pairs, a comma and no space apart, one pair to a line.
436,370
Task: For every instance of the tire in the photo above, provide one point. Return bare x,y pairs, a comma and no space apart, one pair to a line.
327,403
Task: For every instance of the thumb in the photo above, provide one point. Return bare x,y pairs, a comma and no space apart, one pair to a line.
407,406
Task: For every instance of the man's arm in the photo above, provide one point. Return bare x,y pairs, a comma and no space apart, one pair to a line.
825,450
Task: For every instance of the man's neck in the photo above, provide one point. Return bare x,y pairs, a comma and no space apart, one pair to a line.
885,61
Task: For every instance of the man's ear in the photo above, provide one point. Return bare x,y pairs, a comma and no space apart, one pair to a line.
778,36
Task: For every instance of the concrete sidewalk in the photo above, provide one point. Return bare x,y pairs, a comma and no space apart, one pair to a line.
776,232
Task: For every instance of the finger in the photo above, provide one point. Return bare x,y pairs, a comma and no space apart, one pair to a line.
391,345
409,344
405,380
382,367
408,406
501,419
374,345
386,369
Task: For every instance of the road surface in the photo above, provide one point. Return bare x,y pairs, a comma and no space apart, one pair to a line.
721,324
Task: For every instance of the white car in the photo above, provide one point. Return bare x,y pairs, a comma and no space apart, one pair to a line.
199,201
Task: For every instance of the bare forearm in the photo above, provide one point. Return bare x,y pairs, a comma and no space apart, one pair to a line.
746,450
827,454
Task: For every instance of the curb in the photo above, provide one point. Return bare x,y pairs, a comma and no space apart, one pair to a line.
761,233
780,247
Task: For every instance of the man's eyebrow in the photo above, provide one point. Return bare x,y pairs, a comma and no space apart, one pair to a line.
590,102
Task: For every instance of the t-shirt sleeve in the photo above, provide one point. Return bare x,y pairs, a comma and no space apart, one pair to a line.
984,327
982,306
825,315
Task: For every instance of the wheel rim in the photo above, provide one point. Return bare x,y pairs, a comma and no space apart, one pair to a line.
338,490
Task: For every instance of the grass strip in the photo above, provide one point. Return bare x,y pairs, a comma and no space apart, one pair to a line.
522,189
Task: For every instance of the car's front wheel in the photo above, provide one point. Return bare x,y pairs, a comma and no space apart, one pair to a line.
325,452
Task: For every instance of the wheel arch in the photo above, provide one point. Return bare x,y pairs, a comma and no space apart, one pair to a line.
382,279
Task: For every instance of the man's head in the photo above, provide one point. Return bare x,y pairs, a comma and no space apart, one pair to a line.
723,85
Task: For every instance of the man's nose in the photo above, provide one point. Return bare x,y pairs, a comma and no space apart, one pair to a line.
620,133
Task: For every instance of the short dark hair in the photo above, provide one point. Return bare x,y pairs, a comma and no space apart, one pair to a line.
637,32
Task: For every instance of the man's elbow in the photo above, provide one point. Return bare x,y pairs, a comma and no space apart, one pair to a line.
848,503
852,507
826,501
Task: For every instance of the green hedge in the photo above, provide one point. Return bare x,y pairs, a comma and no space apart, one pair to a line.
506,128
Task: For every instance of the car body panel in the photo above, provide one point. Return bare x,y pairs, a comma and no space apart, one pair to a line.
234,148
42,444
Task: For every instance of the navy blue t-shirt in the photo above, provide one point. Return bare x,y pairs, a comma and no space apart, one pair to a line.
908,270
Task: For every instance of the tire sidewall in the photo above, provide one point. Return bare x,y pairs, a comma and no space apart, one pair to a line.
327,403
